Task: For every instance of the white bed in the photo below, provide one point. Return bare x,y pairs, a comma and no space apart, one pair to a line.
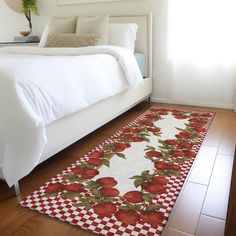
75,126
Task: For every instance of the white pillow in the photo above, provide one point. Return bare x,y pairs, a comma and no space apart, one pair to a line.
58,25
122,34
94,25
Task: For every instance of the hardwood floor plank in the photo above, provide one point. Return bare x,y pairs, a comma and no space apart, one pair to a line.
215,131
230,229
187,211
172,232
204,164
7,206
216,200
14,220
227,144
228,139
209,226
47,226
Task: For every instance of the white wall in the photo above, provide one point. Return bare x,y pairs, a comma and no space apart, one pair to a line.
162,70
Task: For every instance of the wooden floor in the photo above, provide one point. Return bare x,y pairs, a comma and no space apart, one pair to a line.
200,209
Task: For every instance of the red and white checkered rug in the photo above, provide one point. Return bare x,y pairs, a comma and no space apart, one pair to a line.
128,184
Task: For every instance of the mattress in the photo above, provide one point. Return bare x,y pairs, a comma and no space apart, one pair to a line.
140,58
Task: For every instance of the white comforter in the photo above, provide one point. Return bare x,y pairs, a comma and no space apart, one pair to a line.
40,85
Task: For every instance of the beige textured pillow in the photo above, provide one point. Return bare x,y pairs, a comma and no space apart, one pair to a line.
94,25
58,25
72,40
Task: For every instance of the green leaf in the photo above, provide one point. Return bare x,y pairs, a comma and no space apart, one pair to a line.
131,207
88,207
92,185
146,140
110,199
125,208
106,162
121,155
165,152
70,195
148,197
153,208
83,200
138,182
108,156
145,173
138,207
96,193
93,199
136,177
29,5
74,178
179,129
175,173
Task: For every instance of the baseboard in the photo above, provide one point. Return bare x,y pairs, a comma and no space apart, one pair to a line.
194,103
161,100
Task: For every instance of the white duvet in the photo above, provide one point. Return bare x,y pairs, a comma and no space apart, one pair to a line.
40,85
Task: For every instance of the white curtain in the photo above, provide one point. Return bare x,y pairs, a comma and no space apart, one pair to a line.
202,51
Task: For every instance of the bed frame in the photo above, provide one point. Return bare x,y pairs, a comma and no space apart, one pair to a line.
78,125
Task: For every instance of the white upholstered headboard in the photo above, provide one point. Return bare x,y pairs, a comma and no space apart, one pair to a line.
144,35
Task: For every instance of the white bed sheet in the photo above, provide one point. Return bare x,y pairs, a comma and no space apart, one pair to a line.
38,86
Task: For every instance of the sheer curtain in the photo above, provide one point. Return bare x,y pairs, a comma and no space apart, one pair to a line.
202,51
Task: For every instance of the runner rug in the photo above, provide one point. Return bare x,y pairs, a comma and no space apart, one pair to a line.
129,183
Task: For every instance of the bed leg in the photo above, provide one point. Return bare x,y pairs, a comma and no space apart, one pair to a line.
149,101
17,189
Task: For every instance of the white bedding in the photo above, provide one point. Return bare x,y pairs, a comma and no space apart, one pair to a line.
40,85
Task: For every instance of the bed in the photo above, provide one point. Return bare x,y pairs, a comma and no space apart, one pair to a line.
76,125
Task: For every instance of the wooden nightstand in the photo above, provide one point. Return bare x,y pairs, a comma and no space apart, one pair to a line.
8,44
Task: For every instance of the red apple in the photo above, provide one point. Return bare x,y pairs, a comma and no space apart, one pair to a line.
153,154
125,136
128,217
154,130
159,180
153,187
170,142
149,116
175,167
54,188
134,130
137,139
161,165
154,218
94,162
105,209
109,192
78,188
122,145
177,153
96,154
183,135
133,196
78,171
185,145
118,149
189,153
107,182
89,173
